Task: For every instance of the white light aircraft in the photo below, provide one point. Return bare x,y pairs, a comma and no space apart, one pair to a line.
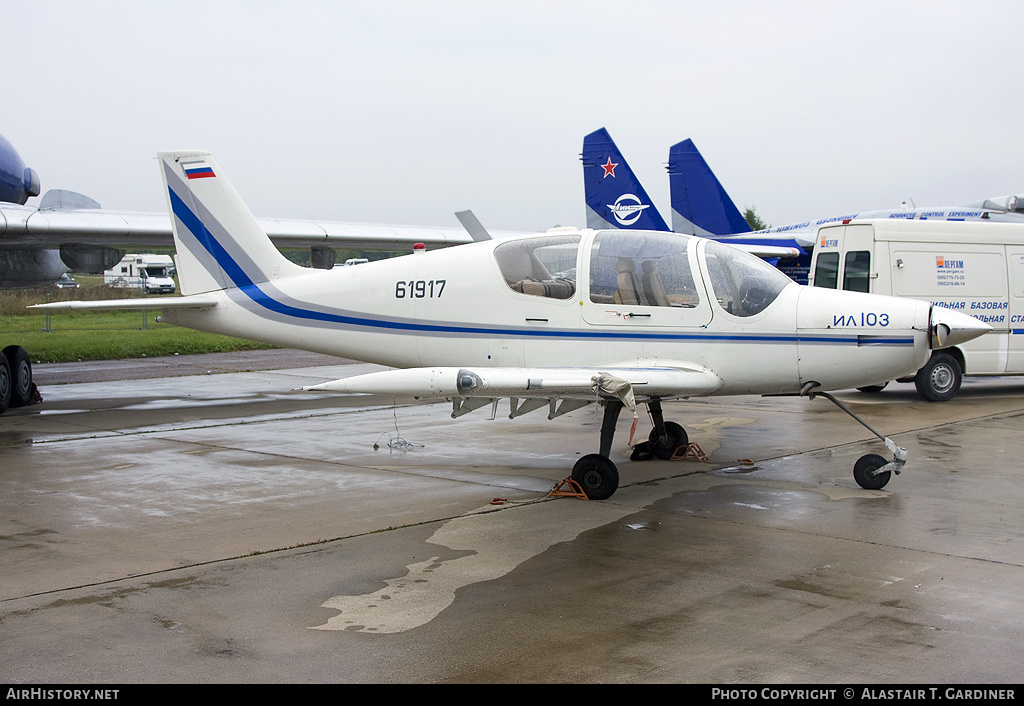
556,320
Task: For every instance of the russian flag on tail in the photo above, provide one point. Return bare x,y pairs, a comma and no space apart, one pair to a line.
197,170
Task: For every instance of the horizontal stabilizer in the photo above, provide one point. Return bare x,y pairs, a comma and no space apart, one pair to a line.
197,302
768,252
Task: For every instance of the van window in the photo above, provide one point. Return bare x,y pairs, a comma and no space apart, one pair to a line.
856,271
543,267
826,271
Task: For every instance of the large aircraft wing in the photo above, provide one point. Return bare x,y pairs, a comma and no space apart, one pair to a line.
22,225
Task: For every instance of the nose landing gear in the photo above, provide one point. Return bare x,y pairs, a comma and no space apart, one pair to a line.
871,471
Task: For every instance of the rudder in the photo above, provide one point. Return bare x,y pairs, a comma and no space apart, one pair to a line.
700,205
614,196
219,243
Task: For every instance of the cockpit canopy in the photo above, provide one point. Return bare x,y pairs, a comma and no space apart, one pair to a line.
642,268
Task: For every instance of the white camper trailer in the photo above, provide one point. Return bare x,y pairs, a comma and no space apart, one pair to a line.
150,273
975,268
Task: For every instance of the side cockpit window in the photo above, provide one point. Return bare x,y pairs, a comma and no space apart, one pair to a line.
642,269
543,267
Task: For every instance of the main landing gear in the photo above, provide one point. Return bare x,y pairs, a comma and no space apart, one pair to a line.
598,476
871,471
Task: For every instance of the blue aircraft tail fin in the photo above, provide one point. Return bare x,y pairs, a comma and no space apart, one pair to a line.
615,198
700,205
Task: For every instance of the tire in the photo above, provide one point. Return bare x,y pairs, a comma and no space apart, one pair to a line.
597,475
677,437
872,389
863,468
939,380
5,384
21,375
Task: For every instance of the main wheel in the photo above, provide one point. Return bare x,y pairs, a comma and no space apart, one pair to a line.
597,475
21,375
5,384
939,379
862,472
676,437
872,389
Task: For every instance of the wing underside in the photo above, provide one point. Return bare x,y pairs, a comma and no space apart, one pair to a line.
561,389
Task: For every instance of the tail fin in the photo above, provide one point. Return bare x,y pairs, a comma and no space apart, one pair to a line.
220,245
615,198
700,205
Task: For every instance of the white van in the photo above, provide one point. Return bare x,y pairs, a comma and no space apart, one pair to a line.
150,273
976,268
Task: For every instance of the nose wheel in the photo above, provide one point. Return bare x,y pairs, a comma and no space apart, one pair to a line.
869,474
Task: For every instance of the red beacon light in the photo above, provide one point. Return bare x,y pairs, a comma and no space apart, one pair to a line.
419,247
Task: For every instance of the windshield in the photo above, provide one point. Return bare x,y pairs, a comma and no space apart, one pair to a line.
743,285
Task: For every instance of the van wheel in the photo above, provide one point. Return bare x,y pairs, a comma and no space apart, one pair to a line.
939,380
21,375
873,388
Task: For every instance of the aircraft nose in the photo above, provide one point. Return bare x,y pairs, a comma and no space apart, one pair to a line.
951,328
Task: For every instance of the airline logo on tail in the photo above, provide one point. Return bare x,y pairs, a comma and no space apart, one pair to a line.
627,209
621,202
198,170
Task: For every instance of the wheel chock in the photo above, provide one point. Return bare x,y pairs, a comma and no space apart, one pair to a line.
572,491
690,452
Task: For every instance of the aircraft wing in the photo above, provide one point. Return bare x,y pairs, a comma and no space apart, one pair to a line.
21,226
661,381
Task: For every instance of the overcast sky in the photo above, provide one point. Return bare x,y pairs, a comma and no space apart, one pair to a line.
403,112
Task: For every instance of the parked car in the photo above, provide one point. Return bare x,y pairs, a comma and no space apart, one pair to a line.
65,282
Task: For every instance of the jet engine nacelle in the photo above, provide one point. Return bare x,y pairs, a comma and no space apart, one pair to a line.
17,182
21,268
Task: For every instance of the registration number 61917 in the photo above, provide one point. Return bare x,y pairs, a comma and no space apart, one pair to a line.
419,288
